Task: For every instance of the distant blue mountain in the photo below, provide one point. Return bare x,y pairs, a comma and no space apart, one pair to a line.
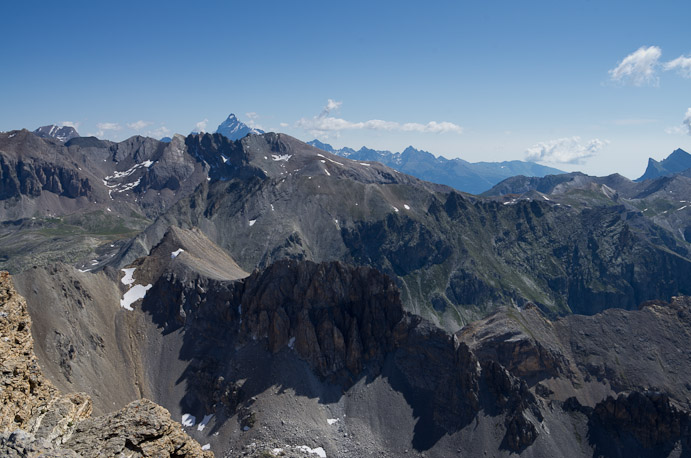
676,162
470,177
235,129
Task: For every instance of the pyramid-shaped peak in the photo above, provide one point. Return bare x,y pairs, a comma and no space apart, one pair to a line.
234,129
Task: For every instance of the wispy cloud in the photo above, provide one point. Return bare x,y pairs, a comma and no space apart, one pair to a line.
104,127
252,118
324,124
569,150
681,64
331,105
158,133
200,127
108,126
73,124
633,121
683,128
638,68
138,125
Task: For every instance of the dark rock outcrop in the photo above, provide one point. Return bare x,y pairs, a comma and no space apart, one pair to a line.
650,417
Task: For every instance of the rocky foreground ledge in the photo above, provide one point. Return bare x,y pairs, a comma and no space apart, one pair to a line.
36,420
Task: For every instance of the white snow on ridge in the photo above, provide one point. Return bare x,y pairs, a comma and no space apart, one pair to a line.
316,451
406,206
128,279
174,254
133,295
282,157
188,420
252,221
395,209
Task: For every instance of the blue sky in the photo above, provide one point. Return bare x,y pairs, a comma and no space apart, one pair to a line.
597,86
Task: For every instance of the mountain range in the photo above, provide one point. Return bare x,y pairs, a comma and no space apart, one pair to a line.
465,176
678,161
280,299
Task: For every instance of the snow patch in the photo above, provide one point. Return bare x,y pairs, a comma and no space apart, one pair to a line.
291,343
316,451
205,421
176,253
206,447
252,221
327,172
331,421
365,164
281,157
395,209
545,197
406,206
128,279
272,207
188,419
133,295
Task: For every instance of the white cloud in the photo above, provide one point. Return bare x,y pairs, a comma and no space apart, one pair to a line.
681,64
331,105
252,120
638,68
108,126
103,127
684,128
284,124
201,126
323,124
158,133
139,125
75,125
568,150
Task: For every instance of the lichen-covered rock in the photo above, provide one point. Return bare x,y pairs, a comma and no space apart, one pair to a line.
37,421
24,389
20,444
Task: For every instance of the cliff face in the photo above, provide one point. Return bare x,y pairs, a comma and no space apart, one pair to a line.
36,420
31,178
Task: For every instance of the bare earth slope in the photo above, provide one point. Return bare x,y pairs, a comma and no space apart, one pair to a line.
35,420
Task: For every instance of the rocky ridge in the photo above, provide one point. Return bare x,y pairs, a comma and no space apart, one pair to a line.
35,420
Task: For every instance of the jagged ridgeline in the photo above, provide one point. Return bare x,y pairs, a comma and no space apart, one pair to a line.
269,197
